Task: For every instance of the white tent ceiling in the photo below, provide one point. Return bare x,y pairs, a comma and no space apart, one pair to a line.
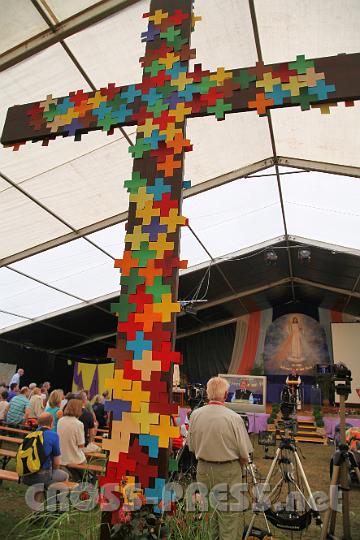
49,196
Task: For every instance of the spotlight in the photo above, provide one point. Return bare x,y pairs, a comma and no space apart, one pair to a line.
270,256
304,255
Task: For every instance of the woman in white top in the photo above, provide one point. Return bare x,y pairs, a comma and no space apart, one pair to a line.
71,434
4,405
36,404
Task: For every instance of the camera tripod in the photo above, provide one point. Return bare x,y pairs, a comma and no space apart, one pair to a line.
287,461
344,462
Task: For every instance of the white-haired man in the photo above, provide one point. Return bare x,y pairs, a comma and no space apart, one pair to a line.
218,438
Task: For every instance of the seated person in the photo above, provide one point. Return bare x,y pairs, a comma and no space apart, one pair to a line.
71,434
54,406
36,407
4,405
18,411
99,410
50,471
14,391
88,419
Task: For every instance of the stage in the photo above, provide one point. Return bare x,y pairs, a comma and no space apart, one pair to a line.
258,422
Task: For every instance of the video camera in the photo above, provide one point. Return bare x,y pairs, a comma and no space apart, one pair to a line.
341,378
287,403
195,394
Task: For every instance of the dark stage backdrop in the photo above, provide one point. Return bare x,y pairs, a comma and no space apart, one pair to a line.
207,354
39,366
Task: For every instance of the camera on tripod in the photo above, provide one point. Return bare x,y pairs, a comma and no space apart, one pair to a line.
287,404
196,395
341,379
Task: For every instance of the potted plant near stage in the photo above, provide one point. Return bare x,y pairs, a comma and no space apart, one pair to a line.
319,421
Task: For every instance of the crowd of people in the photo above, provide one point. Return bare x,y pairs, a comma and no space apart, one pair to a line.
69,423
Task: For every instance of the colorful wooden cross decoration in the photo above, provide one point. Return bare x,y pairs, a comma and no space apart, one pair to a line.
168,94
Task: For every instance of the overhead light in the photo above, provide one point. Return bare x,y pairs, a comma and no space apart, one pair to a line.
270,256
304,255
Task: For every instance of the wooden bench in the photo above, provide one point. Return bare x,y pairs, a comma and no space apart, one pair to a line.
8,475
96,455
85,467
14,440
6,455
14,430
101,430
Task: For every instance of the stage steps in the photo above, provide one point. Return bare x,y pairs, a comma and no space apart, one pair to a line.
307,431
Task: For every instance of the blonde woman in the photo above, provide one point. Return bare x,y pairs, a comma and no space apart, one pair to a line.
36,404
54,406
71,434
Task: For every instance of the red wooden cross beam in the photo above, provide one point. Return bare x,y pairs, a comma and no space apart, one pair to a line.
159,105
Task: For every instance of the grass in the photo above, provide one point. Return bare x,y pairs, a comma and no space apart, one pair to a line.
85,525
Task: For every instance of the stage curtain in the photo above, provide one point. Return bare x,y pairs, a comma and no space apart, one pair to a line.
239,344
91,377
265,321
251,343
206,354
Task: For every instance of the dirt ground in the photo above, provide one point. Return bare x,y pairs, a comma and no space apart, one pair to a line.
315,459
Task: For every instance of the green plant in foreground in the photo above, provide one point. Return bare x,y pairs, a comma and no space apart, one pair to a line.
70,525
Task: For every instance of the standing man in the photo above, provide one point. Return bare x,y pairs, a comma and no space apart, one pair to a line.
218,438
16,377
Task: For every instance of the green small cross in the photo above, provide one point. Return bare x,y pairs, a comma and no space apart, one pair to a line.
135,183
245,78
170,35
301,64
138,149
158,108
51,113
123,307
154,69
205,84
220,109
304,99
158,289
144,254
132,280
173,465
178,43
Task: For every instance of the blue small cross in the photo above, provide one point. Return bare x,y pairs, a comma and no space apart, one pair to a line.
154,228
62,108
278,94
190,90
154,139
121,114
158,189
151,97
154,495
151,33
117,407
152,441
139,345
130,93
174,99
322,89
102,110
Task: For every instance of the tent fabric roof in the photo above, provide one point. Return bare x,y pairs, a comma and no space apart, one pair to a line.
68,198
236,286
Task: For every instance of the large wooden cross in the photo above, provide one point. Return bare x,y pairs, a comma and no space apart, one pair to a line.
169,93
